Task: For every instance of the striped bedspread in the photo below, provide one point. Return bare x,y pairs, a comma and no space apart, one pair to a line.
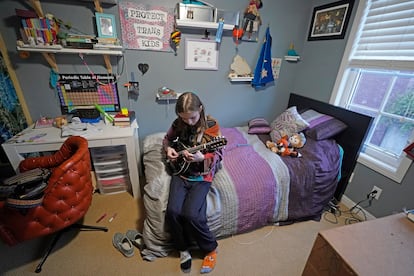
255,187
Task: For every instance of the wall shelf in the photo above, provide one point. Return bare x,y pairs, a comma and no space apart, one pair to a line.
292,58
49,52
62,50
240,79
201,25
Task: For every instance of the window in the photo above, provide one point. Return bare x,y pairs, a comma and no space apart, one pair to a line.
376,78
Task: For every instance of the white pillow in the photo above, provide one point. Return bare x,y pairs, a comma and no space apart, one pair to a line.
288,123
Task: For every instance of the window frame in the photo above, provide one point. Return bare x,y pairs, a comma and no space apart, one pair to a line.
337,98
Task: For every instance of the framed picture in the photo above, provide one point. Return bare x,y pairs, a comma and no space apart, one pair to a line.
330,21
409,150
105,23
201,54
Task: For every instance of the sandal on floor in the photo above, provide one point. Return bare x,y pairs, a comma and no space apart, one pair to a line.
123,244
209,262
136,238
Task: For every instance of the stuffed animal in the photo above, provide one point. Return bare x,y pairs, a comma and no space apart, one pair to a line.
60,121
287,146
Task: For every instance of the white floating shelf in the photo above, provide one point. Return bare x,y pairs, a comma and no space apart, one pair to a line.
167,98
201,25
240,79
292,58
55,49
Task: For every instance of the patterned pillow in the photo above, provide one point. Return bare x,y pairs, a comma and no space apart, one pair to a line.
258,126
322,126
288,123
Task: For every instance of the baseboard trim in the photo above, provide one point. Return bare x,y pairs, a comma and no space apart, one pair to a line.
349,204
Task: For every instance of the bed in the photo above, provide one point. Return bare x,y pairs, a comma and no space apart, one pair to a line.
256,187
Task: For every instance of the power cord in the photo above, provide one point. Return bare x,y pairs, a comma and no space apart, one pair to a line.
353,215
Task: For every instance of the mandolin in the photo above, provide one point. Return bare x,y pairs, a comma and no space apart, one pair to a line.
181,165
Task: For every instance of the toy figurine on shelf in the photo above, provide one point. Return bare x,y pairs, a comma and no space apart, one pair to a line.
252,20
291,51
291,54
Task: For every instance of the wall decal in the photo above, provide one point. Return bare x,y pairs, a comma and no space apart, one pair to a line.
143,68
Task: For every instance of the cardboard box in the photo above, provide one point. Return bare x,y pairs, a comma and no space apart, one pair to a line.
383,246
195,12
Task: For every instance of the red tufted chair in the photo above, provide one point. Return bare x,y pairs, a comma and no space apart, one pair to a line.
67,197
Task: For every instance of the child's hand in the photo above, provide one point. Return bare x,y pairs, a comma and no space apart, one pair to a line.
172,154
196,157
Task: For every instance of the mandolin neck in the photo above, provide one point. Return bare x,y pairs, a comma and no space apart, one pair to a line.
193,149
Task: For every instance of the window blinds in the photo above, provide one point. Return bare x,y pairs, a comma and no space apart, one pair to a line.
386,34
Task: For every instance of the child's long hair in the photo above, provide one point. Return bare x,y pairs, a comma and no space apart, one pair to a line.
190,102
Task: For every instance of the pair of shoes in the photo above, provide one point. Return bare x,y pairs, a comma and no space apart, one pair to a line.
136,238
123,244
209,262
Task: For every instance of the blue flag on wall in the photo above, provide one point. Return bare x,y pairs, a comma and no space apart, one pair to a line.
263,73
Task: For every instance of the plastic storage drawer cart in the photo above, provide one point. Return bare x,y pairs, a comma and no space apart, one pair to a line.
111,169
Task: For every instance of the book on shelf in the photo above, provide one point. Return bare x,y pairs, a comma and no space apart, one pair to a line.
37,30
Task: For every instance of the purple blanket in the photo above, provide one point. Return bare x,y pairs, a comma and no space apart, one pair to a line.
240,161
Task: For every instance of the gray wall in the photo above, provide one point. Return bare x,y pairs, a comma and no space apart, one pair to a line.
232,104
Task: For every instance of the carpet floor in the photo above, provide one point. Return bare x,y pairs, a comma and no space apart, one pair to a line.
271,250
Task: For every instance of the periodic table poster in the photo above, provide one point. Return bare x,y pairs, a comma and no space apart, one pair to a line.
80,90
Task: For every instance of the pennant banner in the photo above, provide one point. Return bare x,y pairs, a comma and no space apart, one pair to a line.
146,27
263,73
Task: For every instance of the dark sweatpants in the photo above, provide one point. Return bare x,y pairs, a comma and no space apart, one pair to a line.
186,214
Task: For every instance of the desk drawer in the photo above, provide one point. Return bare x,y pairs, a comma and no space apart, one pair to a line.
111,184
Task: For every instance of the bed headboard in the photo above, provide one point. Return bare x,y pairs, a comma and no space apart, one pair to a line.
351,139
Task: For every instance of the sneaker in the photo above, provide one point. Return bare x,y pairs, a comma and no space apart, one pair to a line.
185,261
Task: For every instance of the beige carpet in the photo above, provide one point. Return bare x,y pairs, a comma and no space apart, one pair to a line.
272,250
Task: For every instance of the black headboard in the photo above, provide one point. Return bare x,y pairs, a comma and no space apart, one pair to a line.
351,139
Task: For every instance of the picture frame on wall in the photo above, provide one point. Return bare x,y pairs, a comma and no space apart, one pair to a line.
105,24
201,54
330,21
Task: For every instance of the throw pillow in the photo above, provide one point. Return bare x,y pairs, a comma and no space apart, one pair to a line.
258,126
288,123
322,126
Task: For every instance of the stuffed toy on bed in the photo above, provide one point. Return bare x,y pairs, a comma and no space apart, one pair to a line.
286,146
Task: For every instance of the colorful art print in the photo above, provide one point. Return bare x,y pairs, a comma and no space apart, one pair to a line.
330,21
146,27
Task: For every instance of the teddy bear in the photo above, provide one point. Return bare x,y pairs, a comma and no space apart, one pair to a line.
286,146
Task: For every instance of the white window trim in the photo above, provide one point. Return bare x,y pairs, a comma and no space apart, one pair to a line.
368,161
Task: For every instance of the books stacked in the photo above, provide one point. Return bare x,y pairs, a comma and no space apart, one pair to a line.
107,43
79,41
36,30
124,120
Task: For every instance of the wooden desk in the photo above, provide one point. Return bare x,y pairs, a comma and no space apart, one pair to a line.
383,246
98,135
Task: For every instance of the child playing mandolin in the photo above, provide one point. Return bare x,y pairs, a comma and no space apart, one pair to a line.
186,209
